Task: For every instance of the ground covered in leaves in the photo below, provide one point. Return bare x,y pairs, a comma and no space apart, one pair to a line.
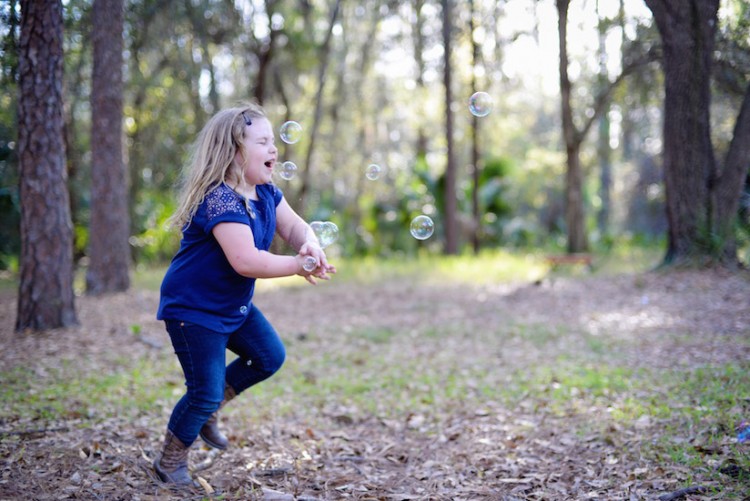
621,387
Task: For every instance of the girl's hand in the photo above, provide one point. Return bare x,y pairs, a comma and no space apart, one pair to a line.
311,251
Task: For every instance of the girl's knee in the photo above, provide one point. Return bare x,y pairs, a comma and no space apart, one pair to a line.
278,359
206,400
204,406
274,361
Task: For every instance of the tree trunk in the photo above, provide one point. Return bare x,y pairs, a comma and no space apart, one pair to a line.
604,150
265,55
451,238
688,30
45,295
419,43
325,51
475,153
109,251
574,213
730,184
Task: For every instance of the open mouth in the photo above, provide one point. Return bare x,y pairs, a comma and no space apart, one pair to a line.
269,164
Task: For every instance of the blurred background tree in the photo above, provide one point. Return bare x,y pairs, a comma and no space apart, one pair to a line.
381,100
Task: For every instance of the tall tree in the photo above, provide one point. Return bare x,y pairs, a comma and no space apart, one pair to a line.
573,136
702,196
475,166
574,211
109,252
449,222
419,47
603,149
325,50
45,296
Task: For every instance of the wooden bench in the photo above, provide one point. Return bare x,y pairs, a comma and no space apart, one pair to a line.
557,261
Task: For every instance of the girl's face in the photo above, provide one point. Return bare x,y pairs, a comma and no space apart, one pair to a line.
260,152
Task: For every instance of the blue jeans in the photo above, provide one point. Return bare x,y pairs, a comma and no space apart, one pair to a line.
202,354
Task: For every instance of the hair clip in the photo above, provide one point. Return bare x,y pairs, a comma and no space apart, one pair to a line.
247,120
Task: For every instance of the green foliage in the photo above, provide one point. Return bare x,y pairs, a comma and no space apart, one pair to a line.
494,206
10,209
156,243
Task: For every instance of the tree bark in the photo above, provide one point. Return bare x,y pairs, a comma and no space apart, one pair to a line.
109,251
450,227
45,296
699,223
729,185
574,213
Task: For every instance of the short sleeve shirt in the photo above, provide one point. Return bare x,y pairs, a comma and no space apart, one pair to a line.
200,285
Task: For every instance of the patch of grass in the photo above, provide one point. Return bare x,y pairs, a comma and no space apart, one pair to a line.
376,335
66,392
537,334
148,277
492,266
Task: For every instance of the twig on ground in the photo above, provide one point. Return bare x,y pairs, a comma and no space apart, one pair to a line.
694,489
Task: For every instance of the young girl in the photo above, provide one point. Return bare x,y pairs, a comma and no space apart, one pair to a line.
229,211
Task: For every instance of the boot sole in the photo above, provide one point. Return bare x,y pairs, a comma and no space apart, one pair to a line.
212,444
165,477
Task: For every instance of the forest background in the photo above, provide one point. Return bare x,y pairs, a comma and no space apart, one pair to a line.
616,126
366,80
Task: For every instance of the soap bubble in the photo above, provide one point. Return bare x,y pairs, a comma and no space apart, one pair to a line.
373,171
422,227
290,132
480,104
326,231
288,170
310,263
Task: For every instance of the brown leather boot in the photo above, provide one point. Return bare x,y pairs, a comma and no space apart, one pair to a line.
210,432
172,465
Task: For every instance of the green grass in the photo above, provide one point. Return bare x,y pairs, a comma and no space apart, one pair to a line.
67,392
489,266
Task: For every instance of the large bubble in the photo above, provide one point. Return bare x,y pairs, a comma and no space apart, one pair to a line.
290,132
326,231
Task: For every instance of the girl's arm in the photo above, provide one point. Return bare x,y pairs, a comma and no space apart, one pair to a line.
238,244
298,234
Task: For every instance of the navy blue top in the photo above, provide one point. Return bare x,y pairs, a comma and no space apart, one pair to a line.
200,286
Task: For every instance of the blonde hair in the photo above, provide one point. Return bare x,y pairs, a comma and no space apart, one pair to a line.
211,161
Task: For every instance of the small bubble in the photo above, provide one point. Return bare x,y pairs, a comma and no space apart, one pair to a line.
422,227
288,170
310,263
243,309
480,104
372,172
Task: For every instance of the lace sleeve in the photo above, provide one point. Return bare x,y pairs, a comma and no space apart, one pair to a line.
223,204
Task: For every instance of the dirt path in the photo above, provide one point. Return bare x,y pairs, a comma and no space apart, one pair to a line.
334,452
